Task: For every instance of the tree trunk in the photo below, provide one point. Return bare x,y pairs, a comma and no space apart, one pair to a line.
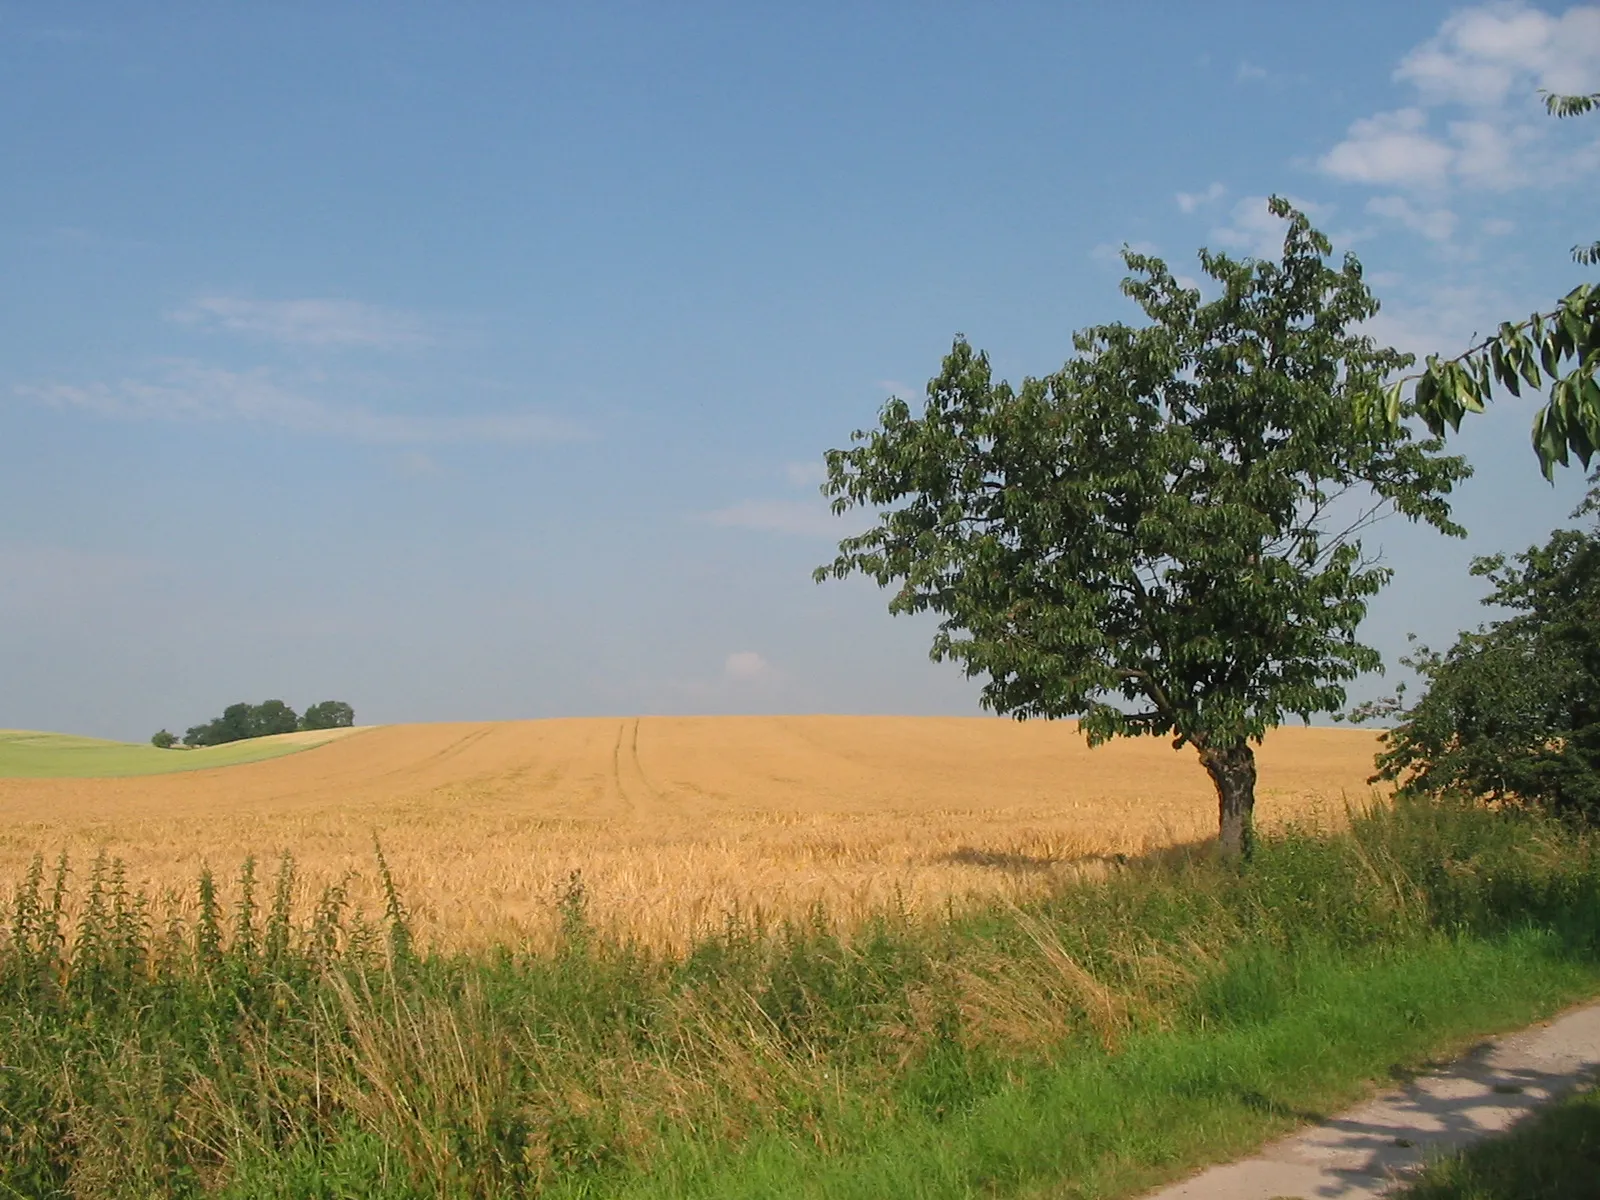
1233,771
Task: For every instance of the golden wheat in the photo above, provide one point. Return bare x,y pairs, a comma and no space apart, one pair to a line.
674,822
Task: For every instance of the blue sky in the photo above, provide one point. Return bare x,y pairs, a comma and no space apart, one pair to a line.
476,361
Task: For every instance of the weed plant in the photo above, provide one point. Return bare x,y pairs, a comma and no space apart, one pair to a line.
1097,1040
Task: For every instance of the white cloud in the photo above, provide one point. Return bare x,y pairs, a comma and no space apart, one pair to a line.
1490,60
1498,227
804,518
310,322
1255,231
190,392
1390,148
1189,201
746,666
1481,55
1437,225
1248,72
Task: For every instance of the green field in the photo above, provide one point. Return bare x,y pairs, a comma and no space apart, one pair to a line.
28,754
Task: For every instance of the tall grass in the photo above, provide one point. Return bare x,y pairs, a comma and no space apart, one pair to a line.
181,1046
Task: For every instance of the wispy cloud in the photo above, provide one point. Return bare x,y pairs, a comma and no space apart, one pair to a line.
1248,72
52,577
309,322
1253,230
802,518
805,474
189,392
1442,317
415,464
1189,201
746,666
1437,224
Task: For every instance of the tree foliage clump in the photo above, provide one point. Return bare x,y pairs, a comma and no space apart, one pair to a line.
244,720
1512,711
329,714
1160,537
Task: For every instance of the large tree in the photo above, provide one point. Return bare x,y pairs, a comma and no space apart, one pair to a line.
1160,537
1556,350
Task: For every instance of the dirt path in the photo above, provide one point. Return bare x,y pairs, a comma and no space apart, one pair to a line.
1370,1150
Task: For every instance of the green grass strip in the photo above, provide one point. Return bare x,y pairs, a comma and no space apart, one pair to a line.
25,754
1110,1125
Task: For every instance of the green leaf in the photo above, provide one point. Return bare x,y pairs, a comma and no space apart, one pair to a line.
1550,353
1426,399
1525,364
1543,445
1466,388
1503,370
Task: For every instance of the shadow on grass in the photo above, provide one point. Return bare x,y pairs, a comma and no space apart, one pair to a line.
1263,1103
1012,860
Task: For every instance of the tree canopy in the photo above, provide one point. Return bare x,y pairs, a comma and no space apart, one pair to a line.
1512,711
1161,536
1558,349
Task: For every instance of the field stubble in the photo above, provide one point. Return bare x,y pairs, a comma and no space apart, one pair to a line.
673,822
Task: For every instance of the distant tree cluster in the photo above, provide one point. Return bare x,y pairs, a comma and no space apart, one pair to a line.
241,721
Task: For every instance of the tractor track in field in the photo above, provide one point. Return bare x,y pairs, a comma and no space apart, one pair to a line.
628,775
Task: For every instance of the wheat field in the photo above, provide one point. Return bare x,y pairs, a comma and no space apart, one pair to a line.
673,822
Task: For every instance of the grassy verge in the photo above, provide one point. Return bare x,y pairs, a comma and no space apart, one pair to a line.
1552,1155
1089,1045
1114,1125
